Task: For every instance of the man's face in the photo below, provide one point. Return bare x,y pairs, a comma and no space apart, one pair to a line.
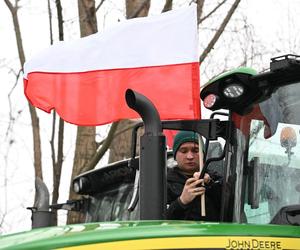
187,157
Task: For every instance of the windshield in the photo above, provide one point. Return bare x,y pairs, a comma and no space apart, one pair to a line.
272,162
112,204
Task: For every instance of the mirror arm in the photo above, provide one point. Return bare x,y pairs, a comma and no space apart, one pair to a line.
72,205
211,129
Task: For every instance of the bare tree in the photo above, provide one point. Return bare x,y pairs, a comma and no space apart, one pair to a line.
34,118
56,153
56,160
85,141
168,5
219,31
137,8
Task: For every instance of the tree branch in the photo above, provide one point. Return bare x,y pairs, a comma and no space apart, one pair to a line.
33,114
50,22
11,119
219,32
139,9
200,4
99,5
200,20
100,152
168,6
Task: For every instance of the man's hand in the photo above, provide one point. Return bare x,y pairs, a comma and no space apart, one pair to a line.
207,178
193,187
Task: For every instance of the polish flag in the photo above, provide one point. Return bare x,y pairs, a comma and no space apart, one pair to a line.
85,80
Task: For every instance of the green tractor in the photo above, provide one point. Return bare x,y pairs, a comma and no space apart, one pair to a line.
251,140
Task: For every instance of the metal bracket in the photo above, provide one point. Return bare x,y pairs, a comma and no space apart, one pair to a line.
72,205
211,129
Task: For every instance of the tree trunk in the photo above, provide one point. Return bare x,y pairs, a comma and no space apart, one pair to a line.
34,118
168,6
57,159
120,145
85,141
137,8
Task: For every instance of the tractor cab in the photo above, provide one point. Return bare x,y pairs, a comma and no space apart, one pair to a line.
262,152
258,157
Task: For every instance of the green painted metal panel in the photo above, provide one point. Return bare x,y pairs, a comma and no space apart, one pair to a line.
81,234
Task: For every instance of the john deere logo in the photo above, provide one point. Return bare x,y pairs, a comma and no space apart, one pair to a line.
253,244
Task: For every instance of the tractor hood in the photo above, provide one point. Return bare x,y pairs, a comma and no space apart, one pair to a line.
155,235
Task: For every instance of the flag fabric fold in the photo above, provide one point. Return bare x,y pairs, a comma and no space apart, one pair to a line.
85,80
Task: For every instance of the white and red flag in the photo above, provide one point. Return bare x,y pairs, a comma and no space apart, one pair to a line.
85,80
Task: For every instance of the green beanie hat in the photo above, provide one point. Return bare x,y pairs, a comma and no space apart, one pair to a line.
185,136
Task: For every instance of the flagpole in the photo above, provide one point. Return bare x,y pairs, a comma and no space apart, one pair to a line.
203,212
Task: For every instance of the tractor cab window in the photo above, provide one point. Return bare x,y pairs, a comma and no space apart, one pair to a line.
272,160
274,172
112,204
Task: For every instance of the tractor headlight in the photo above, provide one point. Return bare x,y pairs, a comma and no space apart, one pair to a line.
233,90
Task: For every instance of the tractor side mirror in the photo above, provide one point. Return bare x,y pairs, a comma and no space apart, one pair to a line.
288,140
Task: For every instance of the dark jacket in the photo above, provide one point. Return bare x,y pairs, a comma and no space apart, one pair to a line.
192,211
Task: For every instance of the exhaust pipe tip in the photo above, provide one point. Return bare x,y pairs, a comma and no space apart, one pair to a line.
146,109
130,98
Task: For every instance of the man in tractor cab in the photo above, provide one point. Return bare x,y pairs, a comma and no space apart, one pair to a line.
184,188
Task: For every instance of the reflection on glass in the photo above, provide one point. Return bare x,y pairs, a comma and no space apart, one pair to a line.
279,174
277,156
